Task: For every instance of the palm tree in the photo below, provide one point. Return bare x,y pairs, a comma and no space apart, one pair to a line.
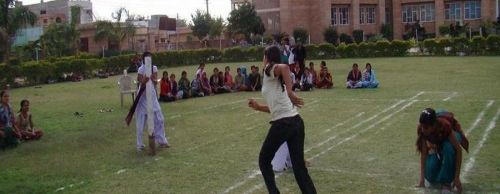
15,19
115,32
60,39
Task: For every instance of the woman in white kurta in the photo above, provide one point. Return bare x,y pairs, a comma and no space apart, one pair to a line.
141,112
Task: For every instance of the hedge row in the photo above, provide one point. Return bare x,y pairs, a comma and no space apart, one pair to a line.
463,46
85,65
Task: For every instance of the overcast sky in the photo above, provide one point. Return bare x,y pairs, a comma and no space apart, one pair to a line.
103,8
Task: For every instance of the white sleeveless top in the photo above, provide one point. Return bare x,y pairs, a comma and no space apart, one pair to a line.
276,98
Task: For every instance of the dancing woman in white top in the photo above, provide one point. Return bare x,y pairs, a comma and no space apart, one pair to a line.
286,123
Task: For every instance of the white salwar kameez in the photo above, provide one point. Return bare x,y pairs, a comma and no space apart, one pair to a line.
141,116
281,160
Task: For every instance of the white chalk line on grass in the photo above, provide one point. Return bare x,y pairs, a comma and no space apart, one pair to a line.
472,159
256,187
451,96
362,131
338,170
248,128
479,117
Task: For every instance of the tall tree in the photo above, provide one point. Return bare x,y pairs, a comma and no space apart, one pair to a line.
60,40
117,31
216,27
244,20
200,24
13,19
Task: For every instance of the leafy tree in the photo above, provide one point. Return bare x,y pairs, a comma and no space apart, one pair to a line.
11,20
201,23
300,35
216,27
60,40
181,22
331,36
115,32
244,20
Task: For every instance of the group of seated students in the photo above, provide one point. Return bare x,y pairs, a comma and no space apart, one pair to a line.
356,79
311,78
202,85
12,129
224,82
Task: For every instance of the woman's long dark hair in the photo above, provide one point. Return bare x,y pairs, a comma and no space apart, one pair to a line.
22,103
273,56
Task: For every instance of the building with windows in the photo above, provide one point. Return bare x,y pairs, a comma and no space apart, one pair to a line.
369,15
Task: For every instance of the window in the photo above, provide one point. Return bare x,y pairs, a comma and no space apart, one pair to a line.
452,11
367,15
343,16
421,12
340,15
472,10
42,12
45,21
334,16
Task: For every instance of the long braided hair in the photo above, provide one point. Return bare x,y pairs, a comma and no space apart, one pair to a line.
273,56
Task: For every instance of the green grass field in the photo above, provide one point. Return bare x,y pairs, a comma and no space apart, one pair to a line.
358,141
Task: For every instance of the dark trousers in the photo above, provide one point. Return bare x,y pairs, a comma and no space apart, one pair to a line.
302,67
291,131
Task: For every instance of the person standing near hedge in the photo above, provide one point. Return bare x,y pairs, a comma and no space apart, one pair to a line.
300,57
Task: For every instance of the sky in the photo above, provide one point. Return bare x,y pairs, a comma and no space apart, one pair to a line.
103,8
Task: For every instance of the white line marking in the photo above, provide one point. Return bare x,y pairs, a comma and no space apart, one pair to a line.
175,116
362,131
121,171
451,96
337,170
479,117
486,134
412,99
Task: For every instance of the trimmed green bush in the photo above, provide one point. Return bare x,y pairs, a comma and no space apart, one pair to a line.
460,44
399,48
493,44
478,45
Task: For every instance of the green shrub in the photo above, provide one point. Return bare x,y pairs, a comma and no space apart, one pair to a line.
460,44
346,50
493,44
37,72
331,36
382,48
399,47
444,30
345,38
358,36
478,45
300,35
430,45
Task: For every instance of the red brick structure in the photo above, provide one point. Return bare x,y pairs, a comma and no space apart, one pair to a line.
369,15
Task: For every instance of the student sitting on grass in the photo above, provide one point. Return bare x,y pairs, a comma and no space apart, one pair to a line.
369,79
222,83
205,85
314,73
174,88
354,77
325,78
239,81
9,134
215,82
196,88
306,83
228,79
165,90
184,86
25,123
439,142
255,80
